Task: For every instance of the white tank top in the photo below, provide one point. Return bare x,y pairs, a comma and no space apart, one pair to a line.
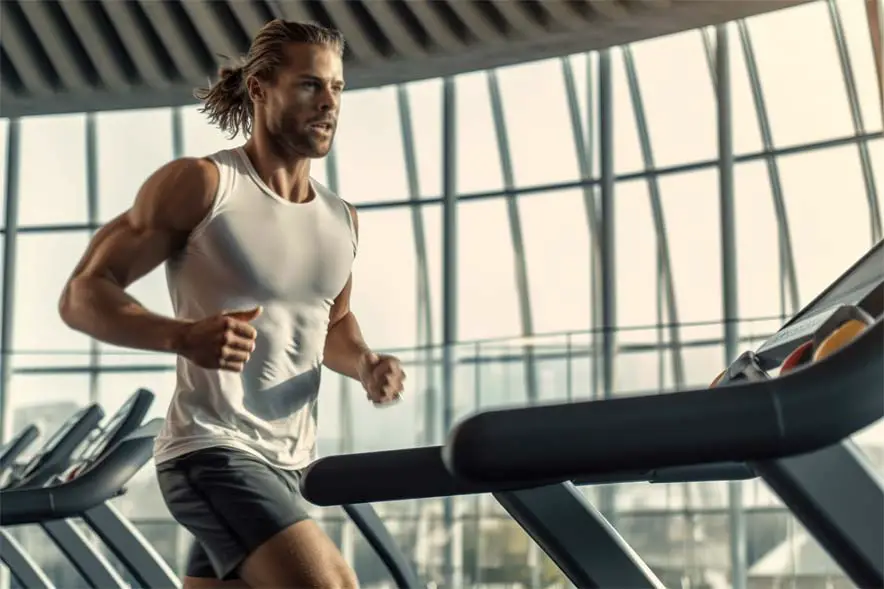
256,248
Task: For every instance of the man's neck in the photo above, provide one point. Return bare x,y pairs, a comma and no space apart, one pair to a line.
288,177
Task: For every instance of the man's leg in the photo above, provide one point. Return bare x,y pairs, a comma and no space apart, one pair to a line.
299,556
251,521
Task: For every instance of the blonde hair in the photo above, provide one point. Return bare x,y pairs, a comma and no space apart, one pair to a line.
227,103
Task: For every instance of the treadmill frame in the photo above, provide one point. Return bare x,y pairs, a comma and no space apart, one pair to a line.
577,537
813,487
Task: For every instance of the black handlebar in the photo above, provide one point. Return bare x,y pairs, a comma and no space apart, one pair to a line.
805,410
103,482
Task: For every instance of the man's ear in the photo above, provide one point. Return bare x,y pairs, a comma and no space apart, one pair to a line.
256,90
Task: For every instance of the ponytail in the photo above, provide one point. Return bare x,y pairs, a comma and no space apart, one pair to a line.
227,103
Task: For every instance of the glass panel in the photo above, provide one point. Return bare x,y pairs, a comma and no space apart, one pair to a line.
124,164
691,211
876,154
487,297
804,81
384,296
635,250
827,236
368,147
758,260
38,326
678,97
862,59
425,101
201,138
53,170
541,144
478,158
46,400
557,248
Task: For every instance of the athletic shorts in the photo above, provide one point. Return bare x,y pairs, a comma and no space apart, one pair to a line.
232,502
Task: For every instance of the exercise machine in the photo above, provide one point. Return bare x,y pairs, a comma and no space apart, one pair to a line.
122,538
92,488
790,430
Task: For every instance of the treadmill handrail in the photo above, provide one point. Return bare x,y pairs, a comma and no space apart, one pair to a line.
103,482
805,410
370,477
14,448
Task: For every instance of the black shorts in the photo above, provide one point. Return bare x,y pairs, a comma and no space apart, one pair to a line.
232,502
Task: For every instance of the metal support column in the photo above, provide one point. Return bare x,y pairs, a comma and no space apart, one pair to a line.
608,243
424,307
7,300
737,517
92,219
518,242
583,145
453,577
667,291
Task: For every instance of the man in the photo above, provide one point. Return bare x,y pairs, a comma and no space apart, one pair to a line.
258,259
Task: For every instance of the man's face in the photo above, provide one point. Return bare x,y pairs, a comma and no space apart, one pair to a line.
301,105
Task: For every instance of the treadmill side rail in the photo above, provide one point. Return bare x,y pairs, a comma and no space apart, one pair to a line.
582,543
128,545
840,501
21,565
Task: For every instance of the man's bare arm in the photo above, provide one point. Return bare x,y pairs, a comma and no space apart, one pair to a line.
168,206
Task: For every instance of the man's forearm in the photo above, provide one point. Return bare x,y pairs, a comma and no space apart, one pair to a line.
103,310
345,349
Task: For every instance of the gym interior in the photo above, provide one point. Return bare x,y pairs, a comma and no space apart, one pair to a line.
575,219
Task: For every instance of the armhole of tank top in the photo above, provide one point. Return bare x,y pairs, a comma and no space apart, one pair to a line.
354,239
220,194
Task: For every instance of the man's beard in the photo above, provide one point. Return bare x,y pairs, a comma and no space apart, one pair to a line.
288,141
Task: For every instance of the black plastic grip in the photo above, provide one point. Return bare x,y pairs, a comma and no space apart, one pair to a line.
800,412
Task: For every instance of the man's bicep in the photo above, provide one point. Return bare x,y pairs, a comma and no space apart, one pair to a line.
169,204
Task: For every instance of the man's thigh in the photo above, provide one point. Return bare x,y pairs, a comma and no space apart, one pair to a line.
232,503
302,555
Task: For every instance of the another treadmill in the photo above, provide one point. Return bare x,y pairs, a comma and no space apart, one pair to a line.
53,458
91,489
790,430
138,557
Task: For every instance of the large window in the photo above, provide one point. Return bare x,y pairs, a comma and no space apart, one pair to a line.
807,137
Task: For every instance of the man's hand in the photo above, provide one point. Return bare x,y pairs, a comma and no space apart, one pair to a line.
224,341
382,377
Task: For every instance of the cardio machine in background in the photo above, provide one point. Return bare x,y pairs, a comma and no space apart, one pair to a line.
79,446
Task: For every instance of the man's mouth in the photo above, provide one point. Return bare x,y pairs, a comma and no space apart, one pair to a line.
320,127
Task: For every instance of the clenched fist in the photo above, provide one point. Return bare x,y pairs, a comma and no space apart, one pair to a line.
382,377
223,341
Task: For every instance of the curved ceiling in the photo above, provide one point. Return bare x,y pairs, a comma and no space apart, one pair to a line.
89,55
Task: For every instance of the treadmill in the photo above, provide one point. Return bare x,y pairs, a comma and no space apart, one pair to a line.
90,489
53,457
791,431
104,519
